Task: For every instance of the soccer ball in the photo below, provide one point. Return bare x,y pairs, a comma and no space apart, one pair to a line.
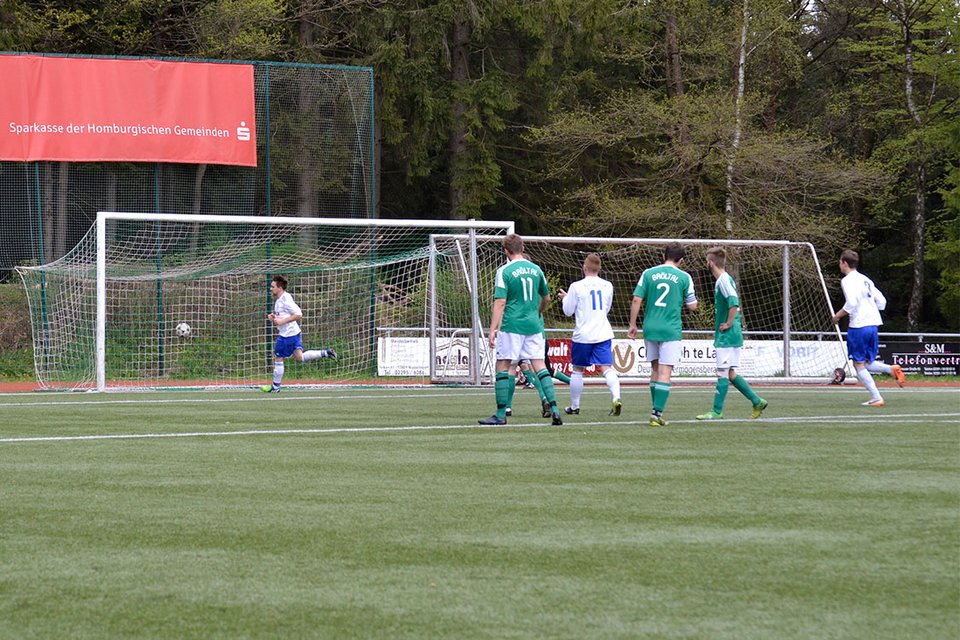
184,330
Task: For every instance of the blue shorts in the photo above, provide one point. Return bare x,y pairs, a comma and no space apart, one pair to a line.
863,344
286,346
584,354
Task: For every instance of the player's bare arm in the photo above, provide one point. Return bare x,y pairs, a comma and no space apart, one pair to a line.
731,316
544,303
634,312
496,320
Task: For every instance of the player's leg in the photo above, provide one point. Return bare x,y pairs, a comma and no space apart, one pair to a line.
283,349
579,360
512,389
601,355
507,352
862,346
652,349
576,389
724,377
668,356
895,370
534,348
741,384
316,354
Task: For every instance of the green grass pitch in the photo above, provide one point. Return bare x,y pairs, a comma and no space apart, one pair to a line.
385,513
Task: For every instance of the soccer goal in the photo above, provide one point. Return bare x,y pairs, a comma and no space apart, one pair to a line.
155,300
785,303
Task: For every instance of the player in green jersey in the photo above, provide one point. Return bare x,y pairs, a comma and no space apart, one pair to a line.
663,292
728,339
520,297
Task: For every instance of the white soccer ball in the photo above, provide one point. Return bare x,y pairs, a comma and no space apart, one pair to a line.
184,330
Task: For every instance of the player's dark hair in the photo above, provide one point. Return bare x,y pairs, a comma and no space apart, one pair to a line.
718,256
592,263
513,244
674,252
281,282
850,257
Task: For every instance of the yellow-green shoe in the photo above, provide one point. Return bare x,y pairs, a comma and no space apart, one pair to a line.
617,407
758,409
710,415
657,422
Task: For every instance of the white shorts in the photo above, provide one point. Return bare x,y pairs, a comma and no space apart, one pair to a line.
664,352
728,358
516,347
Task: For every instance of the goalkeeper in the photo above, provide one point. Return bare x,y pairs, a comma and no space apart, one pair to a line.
286,317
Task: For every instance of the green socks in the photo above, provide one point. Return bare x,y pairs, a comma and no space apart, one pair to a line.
503,386
562,377
549,393
744,387
661,391
723,385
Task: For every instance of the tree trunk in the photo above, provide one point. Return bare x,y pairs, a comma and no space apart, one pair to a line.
457,140
737,123
920,177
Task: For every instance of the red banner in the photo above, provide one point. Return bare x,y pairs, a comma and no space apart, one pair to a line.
87,109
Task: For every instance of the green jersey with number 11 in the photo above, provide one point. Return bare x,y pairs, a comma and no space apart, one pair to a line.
523,284
664,290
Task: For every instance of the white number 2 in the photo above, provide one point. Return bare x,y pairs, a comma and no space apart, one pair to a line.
665,288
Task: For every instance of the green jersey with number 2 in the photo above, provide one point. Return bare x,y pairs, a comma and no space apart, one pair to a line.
664,290
523,284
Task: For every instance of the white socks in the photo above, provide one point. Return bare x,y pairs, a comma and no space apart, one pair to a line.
314,354
878,367
576,388
868,382
613,383
277,373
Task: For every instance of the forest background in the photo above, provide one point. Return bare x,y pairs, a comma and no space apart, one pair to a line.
830,121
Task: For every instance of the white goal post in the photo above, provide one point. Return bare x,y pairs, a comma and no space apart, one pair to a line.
106,315
785,303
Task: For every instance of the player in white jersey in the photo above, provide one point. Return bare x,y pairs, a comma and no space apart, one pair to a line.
286,317
863,302
589,301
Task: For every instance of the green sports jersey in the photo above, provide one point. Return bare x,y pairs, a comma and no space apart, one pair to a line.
523,284
724,297
664,290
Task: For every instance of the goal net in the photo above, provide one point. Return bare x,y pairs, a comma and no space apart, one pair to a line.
785,305
106,314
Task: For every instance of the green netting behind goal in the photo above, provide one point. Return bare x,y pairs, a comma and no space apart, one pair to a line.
314,158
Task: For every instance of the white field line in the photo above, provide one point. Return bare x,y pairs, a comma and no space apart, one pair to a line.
947,418
294,395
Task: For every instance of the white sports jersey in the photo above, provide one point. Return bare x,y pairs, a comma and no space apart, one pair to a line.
285,307
590,300
864,301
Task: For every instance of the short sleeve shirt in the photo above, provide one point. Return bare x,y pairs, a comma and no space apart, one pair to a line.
589,300
664,290
863,301
724,297
283,308
522,284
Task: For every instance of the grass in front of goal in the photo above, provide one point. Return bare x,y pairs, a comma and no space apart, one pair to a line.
390,514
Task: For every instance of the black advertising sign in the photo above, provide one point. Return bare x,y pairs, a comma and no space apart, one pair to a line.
930,357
